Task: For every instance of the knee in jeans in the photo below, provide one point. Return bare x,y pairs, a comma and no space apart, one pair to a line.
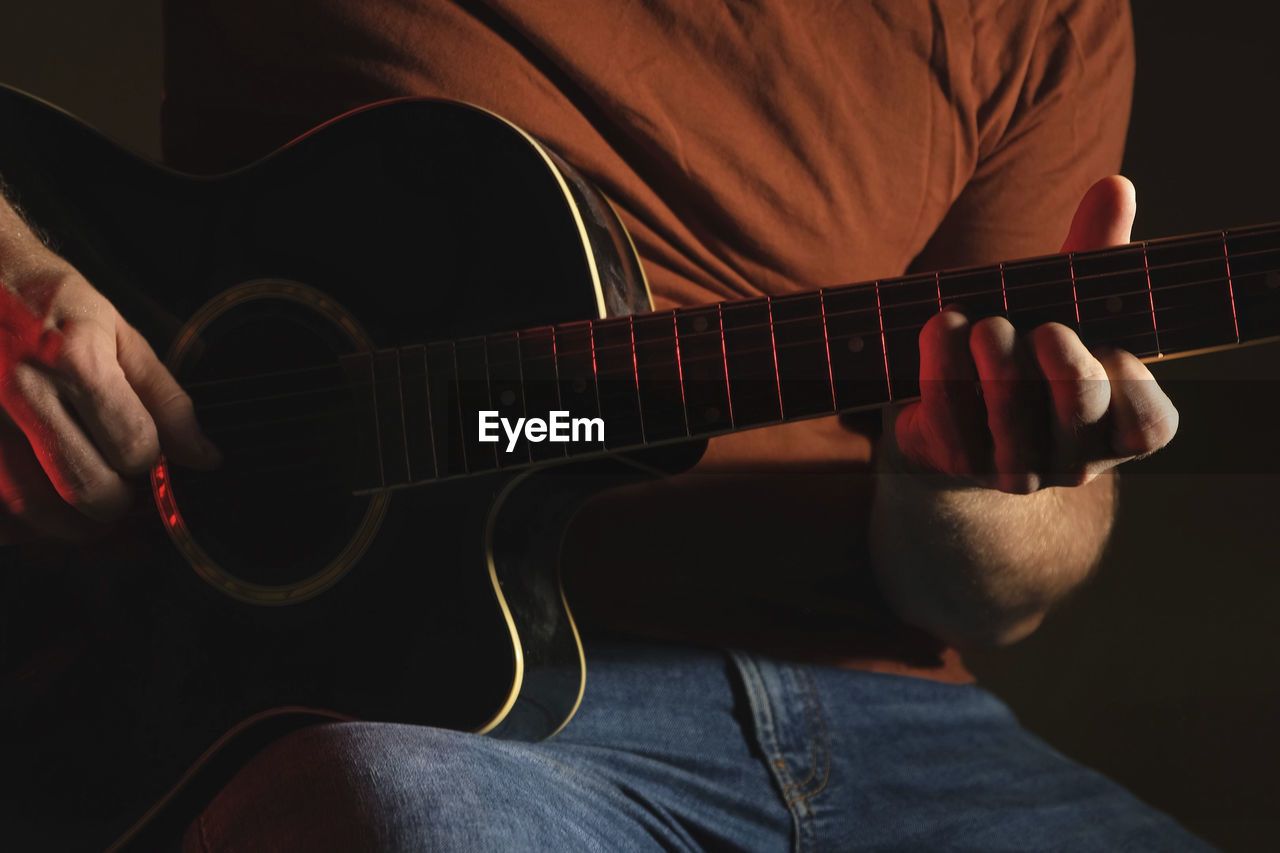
345,786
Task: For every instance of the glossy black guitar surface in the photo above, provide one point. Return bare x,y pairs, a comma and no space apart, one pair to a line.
358,553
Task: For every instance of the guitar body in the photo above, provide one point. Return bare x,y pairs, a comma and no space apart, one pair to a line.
292,585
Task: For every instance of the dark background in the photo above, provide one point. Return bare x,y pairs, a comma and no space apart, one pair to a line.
1163,672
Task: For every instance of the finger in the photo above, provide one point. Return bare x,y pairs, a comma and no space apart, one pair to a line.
947,429
1143,418
1081,396
106,404
1104,216
71,462
1016,405
179,434
32,508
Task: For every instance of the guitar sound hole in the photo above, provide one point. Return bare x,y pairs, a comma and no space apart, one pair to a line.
270,393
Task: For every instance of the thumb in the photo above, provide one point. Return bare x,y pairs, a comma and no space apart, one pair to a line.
1104,217
181,438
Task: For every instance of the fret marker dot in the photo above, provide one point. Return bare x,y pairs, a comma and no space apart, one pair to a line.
1273,279
712,413
856,344
507,397
699,324
1114,304
579,385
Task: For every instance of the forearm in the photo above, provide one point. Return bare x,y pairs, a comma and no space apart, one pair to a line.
20,249
979,567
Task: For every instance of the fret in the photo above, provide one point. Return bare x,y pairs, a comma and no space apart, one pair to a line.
1191,294
416,407
541,385
367,474
1254,256
1151,301
749,358
474,397
445,410
389,404
978,293
857,358
661,395
578,389
773,347
506,390
826,349
804,376
906,304
1114,300
701,358
618,383
1226,262
1041,290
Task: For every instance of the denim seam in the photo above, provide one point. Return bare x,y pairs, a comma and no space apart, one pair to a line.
813,752
766,730
819,739
767,736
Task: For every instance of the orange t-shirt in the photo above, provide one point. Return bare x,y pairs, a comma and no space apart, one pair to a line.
750,148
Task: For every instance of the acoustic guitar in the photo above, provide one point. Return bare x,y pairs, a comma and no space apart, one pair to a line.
420,339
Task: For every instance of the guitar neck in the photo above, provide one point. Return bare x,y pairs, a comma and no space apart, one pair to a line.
709,370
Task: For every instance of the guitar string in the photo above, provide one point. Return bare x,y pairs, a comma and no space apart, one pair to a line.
839,291
768,389
632,347
712,339
434,452
766,380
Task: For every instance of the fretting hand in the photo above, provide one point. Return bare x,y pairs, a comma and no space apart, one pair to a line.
1020,410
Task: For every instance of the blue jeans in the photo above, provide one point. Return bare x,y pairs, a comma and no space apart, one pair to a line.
690,749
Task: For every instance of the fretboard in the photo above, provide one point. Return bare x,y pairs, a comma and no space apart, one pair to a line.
704,371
